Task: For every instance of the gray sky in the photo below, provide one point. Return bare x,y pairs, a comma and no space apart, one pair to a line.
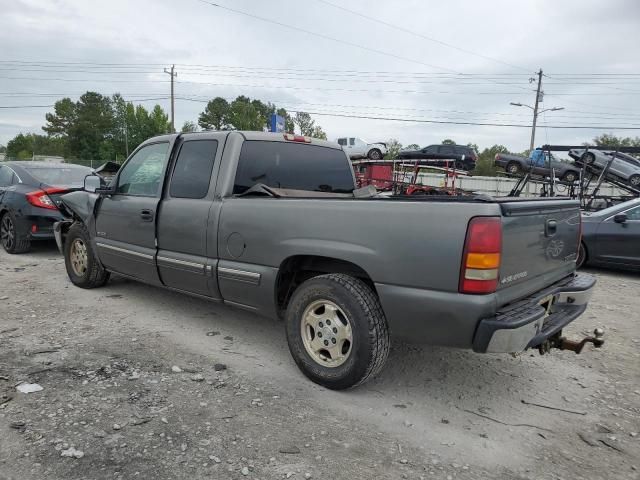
220,53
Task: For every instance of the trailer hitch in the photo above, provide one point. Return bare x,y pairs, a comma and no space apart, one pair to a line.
563,343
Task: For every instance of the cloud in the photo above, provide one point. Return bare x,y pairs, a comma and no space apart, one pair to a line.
303,71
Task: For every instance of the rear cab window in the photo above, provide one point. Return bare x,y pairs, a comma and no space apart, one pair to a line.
293,166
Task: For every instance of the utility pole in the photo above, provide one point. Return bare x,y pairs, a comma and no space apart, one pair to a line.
173,75
535,111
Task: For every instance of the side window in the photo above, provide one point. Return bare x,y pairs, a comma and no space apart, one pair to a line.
293,166
431,149
342,141
633,214
6,177
352,141
192,172
142,175
447,150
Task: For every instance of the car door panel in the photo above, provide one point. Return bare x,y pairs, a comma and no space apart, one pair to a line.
618,243
126,219
187,259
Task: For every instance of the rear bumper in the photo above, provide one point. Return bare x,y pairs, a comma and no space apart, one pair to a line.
529,322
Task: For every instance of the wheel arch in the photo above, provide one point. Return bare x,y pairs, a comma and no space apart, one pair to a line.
296,269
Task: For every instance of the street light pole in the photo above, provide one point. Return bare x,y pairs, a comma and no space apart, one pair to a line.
535,112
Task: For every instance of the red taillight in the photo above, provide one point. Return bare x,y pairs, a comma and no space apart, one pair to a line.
41,199
480,268
290,137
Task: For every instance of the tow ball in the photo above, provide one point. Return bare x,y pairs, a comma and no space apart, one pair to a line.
563,343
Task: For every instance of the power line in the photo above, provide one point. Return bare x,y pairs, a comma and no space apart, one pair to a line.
425,37
366,117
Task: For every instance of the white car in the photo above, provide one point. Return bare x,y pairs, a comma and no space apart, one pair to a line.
358,148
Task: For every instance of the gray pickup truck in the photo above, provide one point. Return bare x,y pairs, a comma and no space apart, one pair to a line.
272,223
517,164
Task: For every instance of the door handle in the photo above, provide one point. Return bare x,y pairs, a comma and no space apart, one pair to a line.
551,228
146,215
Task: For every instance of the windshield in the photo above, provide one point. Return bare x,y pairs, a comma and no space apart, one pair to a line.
60,176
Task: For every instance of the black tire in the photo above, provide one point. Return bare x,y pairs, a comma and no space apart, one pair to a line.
582,256
634,181
12,242
363,312
513,167
588,158
570,177
375,154
93,275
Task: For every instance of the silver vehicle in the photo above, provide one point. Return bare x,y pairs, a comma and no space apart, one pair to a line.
624,166
272,223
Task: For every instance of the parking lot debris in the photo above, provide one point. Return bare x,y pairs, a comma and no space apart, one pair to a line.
29,388
4,298
212,334
198,377
176,369
72,452
244,471
289,449
550,407
19,425
218,367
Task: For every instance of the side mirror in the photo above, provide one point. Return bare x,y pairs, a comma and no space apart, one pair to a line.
620,218
93,183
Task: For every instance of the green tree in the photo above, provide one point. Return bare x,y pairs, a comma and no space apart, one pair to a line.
610,140
317,132
215,115
246,115
448,141
60,122
3,149
412,146
85,125
24,146
485,166
393,149
305,123
189,126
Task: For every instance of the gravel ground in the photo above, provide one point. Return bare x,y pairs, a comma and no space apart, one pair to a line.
138,382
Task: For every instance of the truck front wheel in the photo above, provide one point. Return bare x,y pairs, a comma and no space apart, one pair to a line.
82,264
336,331
375,154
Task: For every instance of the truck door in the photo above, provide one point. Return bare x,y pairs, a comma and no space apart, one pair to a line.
125,222
186,260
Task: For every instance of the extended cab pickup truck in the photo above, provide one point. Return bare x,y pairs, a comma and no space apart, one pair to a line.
272,223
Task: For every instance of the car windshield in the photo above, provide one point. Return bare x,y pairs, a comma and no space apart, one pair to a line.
59,176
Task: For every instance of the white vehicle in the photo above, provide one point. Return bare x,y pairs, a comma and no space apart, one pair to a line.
358,148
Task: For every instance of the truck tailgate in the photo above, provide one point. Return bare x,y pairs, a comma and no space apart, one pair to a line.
540,244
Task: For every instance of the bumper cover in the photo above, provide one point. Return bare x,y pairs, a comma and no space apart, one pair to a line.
529,322
57,233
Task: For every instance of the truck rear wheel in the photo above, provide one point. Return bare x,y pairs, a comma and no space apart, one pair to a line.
336,331
83,267
513,167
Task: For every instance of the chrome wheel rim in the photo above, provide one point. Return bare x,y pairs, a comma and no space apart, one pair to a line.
7,233
78,257
326,333
635,181
513,169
